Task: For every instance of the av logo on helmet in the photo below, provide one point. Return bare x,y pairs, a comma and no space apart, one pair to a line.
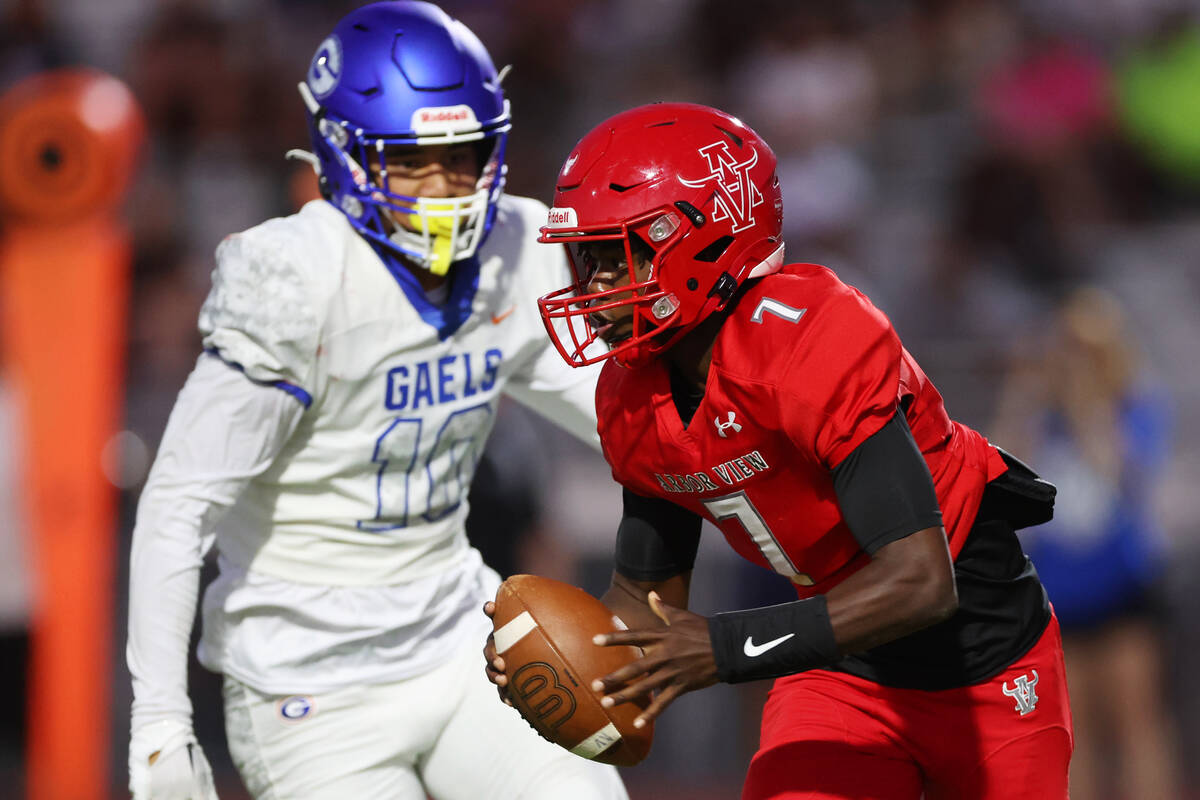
326,68
736,197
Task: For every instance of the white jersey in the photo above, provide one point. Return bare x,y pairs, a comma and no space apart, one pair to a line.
342,550
371,488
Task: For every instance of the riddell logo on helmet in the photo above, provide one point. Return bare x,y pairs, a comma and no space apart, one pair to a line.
444,119
444,115
562,218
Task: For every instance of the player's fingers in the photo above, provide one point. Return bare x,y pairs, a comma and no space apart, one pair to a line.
624,675
489,652
658,607
489,608
493,661
658,705
495,672
635,638
643,688
643,670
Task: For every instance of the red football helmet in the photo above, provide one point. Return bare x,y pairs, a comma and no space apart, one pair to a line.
696,185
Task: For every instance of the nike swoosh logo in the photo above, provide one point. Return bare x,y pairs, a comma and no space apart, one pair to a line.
503,315
754,650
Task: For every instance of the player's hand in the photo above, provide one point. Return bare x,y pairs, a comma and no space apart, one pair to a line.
678,658
166,763
494,663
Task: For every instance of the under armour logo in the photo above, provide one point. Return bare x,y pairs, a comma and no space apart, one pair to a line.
1023,693
722,426
736,196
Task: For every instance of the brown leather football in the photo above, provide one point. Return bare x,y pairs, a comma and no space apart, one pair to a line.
543,630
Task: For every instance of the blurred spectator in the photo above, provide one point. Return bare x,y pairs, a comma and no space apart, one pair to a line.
810,86
1045,178
217,157
1107,21
28,43
163,340
1084,415
1038,183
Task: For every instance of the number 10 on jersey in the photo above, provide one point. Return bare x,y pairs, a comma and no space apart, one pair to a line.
422,475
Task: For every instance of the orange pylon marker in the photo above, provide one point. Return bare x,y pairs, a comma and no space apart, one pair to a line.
68,144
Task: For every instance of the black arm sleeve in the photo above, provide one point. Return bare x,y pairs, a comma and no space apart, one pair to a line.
884,487
656,539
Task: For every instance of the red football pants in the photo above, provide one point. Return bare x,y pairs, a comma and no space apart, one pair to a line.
828,735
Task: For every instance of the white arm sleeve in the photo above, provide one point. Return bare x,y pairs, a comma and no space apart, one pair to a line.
546,384
563,394
223,431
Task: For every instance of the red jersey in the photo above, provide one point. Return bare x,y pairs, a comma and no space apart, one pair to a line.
804,369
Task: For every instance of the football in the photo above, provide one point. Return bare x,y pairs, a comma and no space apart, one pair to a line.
543,630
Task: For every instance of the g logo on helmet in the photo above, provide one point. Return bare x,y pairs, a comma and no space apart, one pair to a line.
325,71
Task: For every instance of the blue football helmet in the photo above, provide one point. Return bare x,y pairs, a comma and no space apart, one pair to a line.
403,73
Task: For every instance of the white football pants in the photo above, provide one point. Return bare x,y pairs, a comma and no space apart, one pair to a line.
444,735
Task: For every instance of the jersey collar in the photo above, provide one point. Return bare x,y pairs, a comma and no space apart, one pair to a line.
464,281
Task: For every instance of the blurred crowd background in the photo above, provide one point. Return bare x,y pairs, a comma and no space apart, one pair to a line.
1016,183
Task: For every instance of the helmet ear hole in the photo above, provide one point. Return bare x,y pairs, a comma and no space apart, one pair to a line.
641,249
714,250
484,149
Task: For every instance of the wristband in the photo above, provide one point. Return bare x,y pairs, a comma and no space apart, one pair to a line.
772,641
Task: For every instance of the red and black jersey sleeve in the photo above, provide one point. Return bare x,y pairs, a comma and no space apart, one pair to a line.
884,488
843,381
